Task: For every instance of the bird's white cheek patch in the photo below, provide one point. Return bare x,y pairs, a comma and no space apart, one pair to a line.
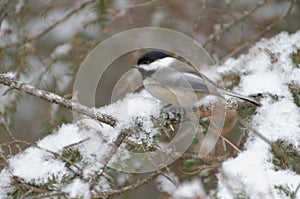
166,61
160,63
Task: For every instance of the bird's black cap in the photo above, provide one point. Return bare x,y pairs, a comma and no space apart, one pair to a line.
151,56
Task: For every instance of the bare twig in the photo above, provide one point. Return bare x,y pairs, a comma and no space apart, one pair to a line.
10,134
77,143
61,20
260,34
296,191
30,188
105,160
54,98
200,168
230,143
217,34
213,159
148,179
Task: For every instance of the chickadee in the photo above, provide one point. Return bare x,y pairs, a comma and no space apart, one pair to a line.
176,82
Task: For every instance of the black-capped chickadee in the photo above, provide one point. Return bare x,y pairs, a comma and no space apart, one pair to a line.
177,83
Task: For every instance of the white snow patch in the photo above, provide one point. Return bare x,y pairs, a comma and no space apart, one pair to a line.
165,185
262,83
36,165
279,120
78,189
190,190
252,172
10,74
135,105
67,134
5,183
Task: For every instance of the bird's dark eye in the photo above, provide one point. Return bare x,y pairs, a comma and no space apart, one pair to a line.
145,62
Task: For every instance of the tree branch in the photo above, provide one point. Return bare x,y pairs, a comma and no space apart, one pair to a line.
146,180
216,35
260,34
56,23
54,98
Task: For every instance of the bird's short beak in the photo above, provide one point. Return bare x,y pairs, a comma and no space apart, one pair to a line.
134,66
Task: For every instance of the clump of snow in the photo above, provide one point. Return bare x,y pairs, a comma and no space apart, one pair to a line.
165,184
190,190
67,134
37,166
252,173
6,178
10,74
263,82
279,120
136,109
255,177
78,189
135,105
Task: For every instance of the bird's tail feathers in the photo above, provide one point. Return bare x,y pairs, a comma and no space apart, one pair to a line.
252,101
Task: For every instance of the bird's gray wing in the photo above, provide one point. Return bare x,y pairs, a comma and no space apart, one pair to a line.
185,80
